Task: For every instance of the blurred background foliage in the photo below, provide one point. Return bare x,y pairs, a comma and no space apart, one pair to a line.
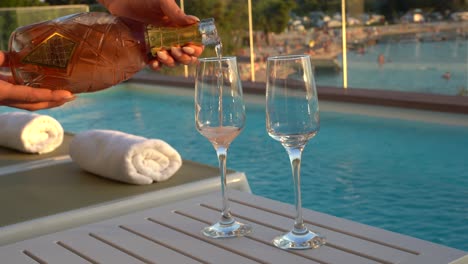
269,16
231,16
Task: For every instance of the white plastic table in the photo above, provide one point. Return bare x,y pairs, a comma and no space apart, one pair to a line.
171,234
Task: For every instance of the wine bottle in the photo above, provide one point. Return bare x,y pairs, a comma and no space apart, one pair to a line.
92,51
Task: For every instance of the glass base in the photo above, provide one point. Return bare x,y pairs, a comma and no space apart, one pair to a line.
294,240
234,229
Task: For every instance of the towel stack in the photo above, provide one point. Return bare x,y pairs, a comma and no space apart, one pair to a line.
107,153
124,157
30,132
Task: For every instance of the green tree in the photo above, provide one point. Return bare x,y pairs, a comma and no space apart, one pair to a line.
304,7
230,18
204,8
7,24
235,24
8,19
272,15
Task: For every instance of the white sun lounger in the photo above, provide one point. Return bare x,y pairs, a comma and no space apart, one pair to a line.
171,234
40,194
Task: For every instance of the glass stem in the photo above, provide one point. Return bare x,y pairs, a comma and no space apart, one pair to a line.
295,154
226,218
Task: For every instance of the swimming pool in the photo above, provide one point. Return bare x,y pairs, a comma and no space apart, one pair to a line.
410,66
399,174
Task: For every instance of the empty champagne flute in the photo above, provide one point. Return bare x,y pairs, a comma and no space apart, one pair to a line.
292,118
220,117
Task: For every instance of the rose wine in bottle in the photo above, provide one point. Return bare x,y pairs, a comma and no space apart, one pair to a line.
92,51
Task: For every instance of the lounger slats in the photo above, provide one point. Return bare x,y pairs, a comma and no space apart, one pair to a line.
171,234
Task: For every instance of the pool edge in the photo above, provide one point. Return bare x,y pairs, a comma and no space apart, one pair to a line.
411,100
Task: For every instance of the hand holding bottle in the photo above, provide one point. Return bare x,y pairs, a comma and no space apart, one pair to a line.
91,51
28,98
164,13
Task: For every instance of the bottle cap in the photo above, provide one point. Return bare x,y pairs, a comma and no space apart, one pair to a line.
209,33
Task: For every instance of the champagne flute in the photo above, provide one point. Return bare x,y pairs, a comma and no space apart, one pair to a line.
292,118
220,117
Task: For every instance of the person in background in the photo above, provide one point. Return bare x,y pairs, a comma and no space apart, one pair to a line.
381,59
155,12
447,76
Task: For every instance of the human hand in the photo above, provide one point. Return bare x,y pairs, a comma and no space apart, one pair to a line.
164,13
28,98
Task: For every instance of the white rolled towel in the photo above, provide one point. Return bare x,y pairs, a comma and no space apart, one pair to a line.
124,157
30,132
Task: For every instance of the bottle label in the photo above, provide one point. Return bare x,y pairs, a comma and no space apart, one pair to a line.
160,38
55,51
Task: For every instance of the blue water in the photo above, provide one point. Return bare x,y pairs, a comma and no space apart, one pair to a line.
405,176
410,66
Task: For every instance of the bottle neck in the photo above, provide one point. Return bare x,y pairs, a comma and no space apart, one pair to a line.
209,33
159,38
163,38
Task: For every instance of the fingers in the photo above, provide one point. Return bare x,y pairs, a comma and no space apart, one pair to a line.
186,55
28,94
165,58
3,59
193,50
154,65
180,56
175,14
29,98
33,106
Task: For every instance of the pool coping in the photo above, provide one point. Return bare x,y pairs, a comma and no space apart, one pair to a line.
411,100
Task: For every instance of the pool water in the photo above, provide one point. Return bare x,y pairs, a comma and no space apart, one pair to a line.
409,66
405,176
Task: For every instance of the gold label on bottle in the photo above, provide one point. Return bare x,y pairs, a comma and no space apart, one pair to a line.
164,38
55,51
